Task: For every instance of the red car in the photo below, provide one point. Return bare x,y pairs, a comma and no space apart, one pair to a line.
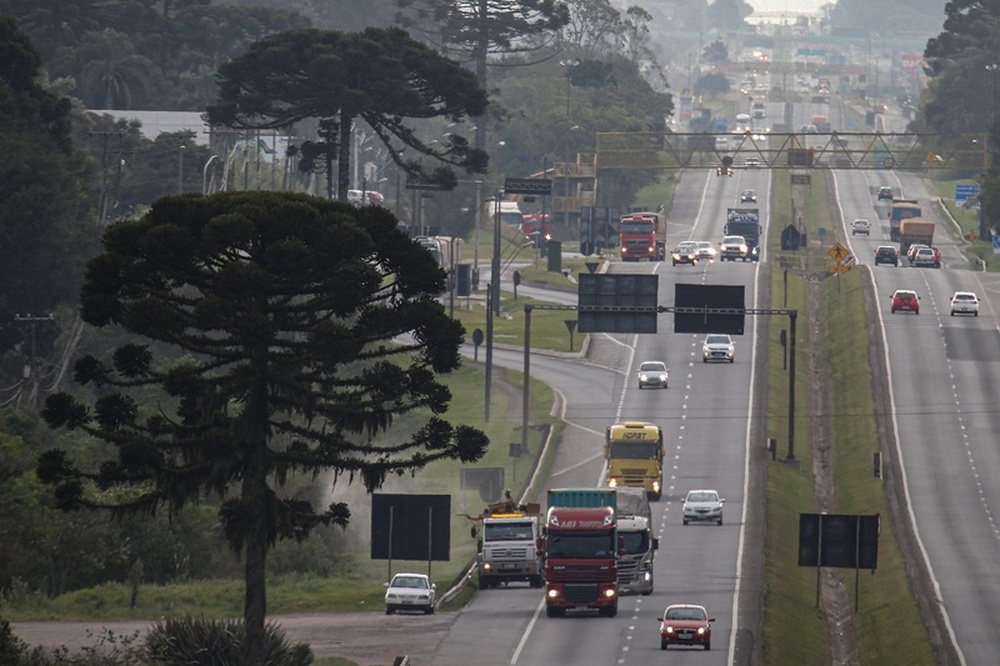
904,300
685,624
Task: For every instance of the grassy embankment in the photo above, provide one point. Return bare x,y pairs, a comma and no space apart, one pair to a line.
888,626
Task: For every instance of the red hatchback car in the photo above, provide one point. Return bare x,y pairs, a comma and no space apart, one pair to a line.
904,300
685,624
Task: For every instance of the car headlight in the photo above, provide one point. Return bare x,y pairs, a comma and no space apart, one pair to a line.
643,377
668,629
701,631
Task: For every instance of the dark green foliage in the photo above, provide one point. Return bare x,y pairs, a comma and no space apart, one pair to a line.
379,76
711,84
45,236
284,310
201,642
136,54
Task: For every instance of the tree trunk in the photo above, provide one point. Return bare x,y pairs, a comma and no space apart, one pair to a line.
255,600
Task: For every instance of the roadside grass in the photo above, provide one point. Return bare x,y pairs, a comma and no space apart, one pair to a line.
548,327
889,627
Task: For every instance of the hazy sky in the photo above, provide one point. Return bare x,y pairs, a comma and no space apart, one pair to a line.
808,6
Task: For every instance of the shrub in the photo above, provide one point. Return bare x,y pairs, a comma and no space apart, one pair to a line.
201,642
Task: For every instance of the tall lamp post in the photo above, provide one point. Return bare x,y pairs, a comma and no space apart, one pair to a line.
994,69
569,65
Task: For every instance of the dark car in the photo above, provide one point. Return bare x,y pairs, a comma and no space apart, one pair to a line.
884,193
886,254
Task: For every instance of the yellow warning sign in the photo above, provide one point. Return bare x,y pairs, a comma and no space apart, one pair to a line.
837,269
838,253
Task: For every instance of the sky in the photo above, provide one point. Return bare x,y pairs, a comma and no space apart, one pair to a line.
808,6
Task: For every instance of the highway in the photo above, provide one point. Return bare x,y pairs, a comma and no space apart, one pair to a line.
942,421
943,378
706,417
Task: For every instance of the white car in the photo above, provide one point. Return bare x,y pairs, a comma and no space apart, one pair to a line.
861,227
718,347
748,196
410,591
965,302
652,373
705,250
703,506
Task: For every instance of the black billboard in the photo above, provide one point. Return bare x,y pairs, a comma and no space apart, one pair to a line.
720,308
411,527
836,540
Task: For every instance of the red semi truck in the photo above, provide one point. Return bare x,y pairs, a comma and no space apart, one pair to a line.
643,235
581,551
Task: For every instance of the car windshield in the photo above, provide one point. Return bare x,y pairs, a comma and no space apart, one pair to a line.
702,496
417,582
685,614
717,340
652,366
686,247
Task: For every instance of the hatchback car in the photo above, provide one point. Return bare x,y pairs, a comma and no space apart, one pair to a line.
886,254
884,193
965,302
685,624
718,347
652,373
703,506
685,253
748,196
410,591
905,300
863,227
927,257
705,250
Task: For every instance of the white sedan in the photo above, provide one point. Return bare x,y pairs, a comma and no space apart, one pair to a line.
703,506
410,591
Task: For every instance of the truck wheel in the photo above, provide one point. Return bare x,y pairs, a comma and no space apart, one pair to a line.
429,610
535,581
613,611
708,645
553,611
389,610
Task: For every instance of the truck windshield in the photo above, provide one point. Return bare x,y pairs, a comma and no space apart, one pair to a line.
635,542
583,544
741,228
637,227
507,532
634,450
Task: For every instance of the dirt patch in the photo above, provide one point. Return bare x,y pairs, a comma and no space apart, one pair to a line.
834,600
370,638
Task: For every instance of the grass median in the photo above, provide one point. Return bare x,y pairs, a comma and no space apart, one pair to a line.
889,628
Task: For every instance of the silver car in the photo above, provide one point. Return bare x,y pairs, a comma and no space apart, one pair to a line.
718,347
653,373
703,506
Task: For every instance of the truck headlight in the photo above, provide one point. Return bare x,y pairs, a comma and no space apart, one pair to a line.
612,483
487,566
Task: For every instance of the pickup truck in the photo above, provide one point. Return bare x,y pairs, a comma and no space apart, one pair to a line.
734,247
